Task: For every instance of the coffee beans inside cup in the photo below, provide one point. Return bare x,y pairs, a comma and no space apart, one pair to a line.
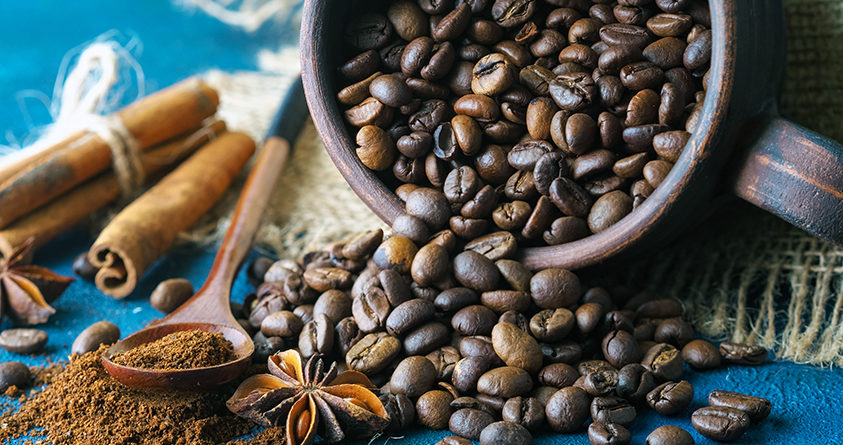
547,122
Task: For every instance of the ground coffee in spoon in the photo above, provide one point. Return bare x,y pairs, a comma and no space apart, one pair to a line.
180,350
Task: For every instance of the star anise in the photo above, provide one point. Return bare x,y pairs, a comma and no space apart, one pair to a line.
26,290
305,397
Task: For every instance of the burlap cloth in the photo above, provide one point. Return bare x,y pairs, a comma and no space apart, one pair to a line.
744,276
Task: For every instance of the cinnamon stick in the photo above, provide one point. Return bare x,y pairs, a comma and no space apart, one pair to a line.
147,227
153,119
73,207
25,158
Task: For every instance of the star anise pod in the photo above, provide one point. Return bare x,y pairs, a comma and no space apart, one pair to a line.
26,290
305,397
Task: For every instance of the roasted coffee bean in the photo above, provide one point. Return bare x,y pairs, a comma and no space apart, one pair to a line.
660,308
664,361
740,354
14,374
601,382
402,412
574,91
467,372
317,336
412,228
493,74
511,215
479,346
516,318
444,360
325,278
635,382
412,377
373,353
525,411
565,229
524,156
537,80
371,310
368,31
482,108
83,268
505,433
612,410
555,288
564,352
481,205
369,112
548,42
454,299
608,434
469,422
408,315
505,381
608,210
669,145
624,34
426,338
170,294
395,253
720,423
631,166
360,66
643,108
567,410
23,341
675,331
454,440
376,150
666,52
475,271
415,144
511,13
549,167
701,355
756,408
516,347
305,312
363,244
669,399
639,76
431,113
558,375
347,334
538,117
656,171
474,320
433,409
491,164
515,274
669,435
569,197
670,25
520,186
631,15
584,31
620,349
333,303
283,324
698,53
552,325
90,339
390,90
588,317
430,265
453,24
264,347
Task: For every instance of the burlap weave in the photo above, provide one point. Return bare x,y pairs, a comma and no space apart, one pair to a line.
744,276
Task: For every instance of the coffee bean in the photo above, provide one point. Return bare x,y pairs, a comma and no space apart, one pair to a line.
348,334
669,435
515,274
281,324
454,440
756,408
554,288
669,399
525,411
481,205
426,338
14,374
370,310
665,53
569,197
660,308
600,382
624,34
674,331
454,299
608,434
565,229
552,325
584,31
434,410
22,340
408,315
413,376
612,410
170,294
469,422
475,271
516,318
698,53
444,360
493,74
664,361
402,412
564,352
474,320
574,91
430,265
741,354
558,375
481,108
511,215
521,186
608,210
479,346
567,410
670,25
467,372
588,317
516,347
669,145
317,336
83,268
720,423
373,353
620,349
539,114
701,355
90,339
395,253
635,382
524,156
505,433
505,381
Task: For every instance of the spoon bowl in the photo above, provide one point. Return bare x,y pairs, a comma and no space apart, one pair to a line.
195,378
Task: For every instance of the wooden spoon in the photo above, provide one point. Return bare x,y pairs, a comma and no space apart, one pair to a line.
209,309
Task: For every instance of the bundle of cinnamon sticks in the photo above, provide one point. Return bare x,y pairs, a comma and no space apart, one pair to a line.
48,192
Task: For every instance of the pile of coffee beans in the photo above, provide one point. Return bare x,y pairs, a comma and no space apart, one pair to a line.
463,337
549,119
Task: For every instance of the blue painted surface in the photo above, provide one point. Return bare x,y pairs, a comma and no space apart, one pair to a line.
35,34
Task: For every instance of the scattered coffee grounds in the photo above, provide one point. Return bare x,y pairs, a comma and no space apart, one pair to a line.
41,375
180,350
85,405
269,436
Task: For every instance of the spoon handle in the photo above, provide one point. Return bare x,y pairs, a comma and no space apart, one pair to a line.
247,216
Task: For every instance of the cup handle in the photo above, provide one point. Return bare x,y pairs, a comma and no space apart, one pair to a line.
793,173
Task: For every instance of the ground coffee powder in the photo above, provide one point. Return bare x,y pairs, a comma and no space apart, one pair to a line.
85,405
180,350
